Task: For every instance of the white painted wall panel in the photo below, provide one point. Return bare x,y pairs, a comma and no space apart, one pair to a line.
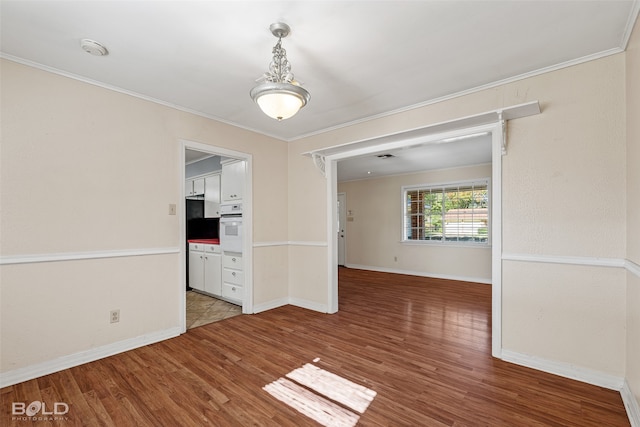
566,313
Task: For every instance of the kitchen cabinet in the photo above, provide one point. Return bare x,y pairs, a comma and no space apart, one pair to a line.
232,277
232,183
212,196
196,266
205,268
194,187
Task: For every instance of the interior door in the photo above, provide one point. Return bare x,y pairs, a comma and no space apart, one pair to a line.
342,228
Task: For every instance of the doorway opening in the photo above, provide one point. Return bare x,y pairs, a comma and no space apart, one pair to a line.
216,272
495,130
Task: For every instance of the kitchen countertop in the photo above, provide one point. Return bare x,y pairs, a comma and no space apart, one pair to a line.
205,241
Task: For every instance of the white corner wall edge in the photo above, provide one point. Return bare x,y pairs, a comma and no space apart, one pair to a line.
65,362
566,370
630,405
420,273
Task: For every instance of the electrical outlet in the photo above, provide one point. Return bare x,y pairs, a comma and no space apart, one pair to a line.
172,209
114,316
395,258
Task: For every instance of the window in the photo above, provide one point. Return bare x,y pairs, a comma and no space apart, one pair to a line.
451,212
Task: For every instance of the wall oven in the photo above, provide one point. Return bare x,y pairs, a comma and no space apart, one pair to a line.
231,234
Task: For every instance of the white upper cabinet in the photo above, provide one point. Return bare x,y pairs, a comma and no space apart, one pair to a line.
194,187
212,196
232,181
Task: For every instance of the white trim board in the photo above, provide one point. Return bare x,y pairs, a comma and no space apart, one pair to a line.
570,260
309,305
566,370
429,133
630,404
289,243
632,267
420,273
74,256
297,302
69,361
270,305
627,264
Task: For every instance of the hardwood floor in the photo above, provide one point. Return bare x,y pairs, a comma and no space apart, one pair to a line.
423,345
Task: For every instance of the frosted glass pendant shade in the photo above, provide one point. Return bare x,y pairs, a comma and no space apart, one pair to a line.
280,101
279,106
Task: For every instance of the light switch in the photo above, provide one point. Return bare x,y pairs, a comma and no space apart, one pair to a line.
172,209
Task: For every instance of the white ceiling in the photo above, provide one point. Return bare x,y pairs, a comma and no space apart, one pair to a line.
358,59
439,155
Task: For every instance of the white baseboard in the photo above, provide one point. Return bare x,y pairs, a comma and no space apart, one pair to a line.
270,305
566,370
420,273
298,302
65,362
631,405
309,305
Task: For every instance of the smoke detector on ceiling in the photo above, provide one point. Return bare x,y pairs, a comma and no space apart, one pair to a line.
93,47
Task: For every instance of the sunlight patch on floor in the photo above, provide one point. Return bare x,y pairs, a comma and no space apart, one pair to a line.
322,396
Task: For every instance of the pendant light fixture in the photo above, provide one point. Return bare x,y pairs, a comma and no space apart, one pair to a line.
279,95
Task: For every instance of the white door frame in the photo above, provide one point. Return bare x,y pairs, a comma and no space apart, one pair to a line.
247,216
330,163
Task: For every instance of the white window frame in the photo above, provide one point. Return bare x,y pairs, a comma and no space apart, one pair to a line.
444,186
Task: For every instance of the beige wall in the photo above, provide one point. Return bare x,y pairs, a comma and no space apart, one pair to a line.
307,232
373,237
87,169
633,211
563,196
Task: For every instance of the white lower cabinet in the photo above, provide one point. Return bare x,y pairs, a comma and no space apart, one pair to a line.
205,268
232,277
196,266
213,269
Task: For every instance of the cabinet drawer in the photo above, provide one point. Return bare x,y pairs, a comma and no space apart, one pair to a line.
234,292
235,277
212,249
196,247
232,261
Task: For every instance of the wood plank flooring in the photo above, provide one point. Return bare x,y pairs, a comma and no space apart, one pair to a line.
423,345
